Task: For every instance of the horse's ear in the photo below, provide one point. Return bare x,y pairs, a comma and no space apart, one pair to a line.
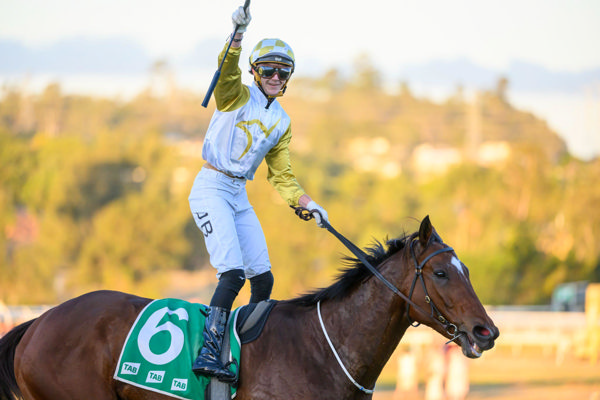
425,231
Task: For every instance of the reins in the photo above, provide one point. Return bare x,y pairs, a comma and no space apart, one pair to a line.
450,328
306,215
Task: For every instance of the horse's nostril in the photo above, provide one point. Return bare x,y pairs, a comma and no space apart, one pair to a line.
482,332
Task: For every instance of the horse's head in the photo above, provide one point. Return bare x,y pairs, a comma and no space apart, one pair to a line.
442,288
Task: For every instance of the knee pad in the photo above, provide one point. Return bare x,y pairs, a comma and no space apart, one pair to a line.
230,284
261,286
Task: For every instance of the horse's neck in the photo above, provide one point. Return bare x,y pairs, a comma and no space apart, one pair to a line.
367,327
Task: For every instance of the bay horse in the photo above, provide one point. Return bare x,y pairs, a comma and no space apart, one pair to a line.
71,351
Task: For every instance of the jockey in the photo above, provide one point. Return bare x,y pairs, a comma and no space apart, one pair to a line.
249,125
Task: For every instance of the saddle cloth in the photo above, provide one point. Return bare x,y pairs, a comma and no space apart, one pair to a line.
165,339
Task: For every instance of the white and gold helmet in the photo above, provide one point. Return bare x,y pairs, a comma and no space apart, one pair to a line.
271,50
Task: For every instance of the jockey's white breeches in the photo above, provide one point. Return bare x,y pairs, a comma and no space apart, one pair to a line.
232,233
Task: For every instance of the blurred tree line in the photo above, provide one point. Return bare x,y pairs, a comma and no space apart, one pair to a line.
93,191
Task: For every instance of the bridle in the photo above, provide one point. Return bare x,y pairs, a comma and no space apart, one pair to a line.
450,328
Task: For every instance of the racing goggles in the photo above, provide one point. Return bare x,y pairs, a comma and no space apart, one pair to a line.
267,72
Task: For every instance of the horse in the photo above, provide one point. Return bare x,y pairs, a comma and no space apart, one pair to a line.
331,343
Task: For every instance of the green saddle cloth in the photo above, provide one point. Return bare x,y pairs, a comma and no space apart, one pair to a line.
162,345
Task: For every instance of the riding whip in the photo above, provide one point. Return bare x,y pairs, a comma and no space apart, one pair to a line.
217,74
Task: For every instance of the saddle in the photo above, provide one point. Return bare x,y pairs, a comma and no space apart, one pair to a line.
252,318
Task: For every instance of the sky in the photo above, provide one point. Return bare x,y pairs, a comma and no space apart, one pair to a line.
560,35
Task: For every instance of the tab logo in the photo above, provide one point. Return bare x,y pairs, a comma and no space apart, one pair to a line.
155,376
130,368
179,384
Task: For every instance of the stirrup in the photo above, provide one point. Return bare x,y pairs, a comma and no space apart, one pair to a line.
223,375
213,370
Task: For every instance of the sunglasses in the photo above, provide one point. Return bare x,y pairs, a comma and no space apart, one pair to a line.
267,72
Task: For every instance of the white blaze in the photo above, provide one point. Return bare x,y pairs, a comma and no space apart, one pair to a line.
456,262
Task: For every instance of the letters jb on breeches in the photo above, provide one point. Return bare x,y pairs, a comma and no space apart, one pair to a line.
203,223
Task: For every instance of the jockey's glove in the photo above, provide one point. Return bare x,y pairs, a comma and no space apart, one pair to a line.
241,18
318,213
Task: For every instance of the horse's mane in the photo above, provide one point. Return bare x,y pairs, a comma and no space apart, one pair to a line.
355,272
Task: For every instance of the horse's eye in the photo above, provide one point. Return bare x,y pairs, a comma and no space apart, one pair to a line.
440,273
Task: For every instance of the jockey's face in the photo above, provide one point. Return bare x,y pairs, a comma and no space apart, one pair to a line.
271,80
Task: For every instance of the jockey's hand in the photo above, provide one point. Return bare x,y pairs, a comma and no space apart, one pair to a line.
241,18
318,213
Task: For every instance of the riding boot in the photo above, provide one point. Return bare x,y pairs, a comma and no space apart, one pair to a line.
208,362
